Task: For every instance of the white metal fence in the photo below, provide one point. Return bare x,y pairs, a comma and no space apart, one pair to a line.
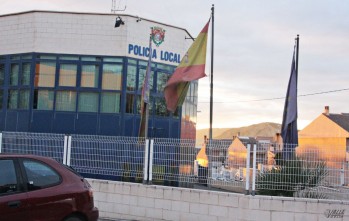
246,167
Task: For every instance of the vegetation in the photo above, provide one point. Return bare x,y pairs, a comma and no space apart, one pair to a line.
292,176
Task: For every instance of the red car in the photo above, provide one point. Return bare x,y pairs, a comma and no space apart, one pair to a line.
34,188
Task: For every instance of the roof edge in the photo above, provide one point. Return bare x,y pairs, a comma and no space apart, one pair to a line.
93,13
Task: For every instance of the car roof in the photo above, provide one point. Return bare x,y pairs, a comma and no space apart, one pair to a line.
31,156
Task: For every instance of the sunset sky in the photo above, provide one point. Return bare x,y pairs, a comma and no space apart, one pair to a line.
254,43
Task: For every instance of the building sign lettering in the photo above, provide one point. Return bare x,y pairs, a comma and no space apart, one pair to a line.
162,55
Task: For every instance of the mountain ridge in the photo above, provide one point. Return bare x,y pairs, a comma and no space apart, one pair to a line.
265,129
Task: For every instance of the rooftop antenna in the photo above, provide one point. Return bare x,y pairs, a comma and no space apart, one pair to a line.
114,9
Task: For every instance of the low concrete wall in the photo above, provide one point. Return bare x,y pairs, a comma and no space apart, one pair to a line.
148,202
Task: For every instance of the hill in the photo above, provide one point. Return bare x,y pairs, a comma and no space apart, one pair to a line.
262,130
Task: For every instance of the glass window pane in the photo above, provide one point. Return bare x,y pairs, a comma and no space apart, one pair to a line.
91,58
67,75
139,104
12,99
50,57
14,74
165,67
112,77
160,107
8,181
27,57
15,57
89,76
2,73
161,81
43,100
65,100
130,103
88,102
112,60
25,80
141,79
45,74
110,102
24,99
132,61
131,77
40,175
69,58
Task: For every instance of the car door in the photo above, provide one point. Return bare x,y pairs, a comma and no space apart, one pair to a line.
13,199
47,198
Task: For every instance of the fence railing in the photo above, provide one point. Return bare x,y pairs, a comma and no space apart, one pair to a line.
251,168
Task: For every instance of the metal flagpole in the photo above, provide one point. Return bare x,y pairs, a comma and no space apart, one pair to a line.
297,54
211,85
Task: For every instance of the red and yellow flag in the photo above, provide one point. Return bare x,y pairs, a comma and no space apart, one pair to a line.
192,67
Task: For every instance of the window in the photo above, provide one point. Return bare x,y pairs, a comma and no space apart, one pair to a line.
66,101
110,102
49,57
25,79
12,99
8,181
88,102
131,77
45,74
141,79
40,175
111,78
161,81
91,58
130,98
89,76
2,74
69,58
14,74
24,99
43,100
132,61
67,75
165,67
111,59
139,104
160,106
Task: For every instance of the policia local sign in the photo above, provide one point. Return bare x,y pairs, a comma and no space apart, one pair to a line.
157,36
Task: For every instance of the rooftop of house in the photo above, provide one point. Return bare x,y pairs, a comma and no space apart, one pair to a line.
341,119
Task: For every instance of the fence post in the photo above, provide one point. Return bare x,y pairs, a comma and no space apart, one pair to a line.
342,180
254,170
146,162
65,149
151,152
0,142
248,169
69,150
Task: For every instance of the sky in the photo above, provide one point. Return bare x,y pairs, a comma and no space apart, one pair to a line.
253,47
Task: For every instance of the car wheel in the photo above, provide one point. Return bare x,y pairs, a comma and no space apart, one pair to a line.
74,218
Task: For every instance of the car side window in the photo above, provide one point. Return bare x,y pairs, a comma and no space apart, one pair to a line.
8,178
40,175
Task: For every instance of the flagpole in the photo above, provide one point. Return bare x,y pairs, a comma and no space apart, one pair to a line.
297,53
146,103
211,85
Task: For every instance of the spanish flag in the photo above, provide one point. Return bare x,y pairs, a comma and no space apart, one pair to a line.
192,67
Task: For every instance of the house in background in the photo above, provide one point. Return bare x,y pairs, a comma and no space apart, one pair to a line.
327,138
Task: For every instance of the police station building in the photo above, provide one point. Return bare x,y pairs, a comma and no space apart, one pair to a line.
76,73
